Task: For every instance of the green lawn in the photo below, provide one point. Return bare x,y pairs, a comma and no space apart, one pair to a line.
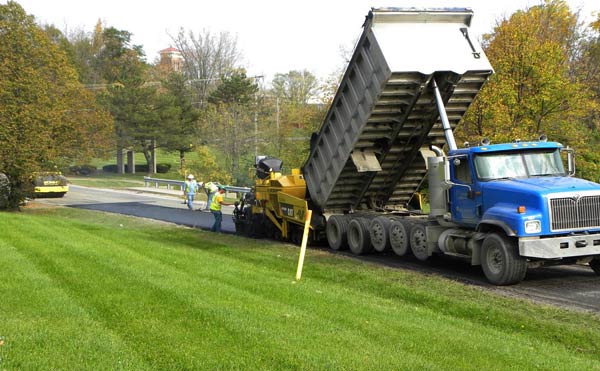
108,180
84,290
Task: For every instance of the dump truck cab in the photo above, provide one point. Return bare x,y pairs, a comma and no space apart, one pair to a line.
524,191
485,174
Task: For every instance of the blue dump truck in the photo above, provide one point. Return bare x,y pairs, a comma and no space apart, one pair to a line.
389,132
510,206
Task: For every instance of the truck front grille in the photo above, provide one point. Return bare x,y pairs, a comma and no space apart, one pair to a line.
571,213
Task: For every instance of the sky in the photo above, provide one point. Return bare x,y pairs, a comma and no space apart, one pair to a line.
274,36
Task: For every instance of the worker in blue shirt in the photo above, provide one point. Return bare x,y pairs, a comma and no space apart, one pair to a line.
189,189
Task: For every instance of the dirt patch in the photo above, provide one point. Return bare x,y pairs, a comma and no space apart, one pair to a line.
34,205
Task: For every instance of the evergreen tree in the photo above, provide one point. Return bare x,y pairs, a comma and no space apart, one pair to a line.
234,102
183,134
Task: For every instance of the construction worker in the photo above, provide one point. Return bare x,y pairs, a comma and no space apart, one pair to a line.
189,189
210,188
215,208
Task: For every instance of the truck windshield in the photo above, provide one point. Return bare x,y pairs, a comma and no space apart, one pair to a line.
506,165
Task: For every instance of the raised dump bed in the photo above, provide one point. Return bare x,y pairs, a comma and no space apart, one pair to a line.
367,153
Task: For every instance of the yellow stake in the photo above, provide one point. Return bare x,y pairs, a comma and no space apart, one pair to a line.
303,246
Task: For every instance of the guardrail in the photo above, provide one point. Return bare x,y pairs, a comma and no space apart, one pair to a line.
166,182
179,183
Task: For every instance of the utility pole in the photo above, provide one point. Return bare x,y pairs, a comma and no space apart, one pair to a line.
277,122
256,117
255,126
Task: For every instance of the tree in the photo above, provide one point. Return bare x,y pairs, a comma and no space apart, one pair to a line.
82,48
533,90
208,58
182,135
118,60
293,111
114,68
286,128
140,116
297,87
232,103
206,168
587,70
297,123
47,118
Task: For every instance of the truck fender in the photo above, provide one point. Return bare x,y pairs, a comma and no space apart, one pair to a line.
486,225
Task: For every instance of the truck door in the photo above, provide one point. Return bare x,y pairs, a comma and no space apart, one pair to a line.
465,195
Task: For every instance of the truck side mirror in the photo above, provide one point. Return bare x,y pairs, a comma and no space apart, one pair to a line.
570,160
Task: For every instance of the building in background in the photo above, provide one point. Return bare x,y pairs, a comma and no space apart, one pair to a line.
172,59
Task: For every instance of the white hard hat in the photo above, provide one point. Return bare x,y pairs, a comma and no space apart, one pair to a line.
190,176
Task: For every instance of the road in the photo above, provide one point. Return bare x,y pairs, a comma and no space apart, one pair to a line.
160,206
574,287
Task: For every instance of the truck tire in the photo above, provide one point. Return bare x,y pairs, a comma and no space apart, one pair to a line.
359,239
595,265
379,233
500,261
418,242
337,231
399,236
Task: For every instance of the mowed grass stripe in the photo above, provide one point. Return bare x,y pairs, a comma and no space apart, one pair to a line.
246,276
469,304
89,261
241,298
38,320
97,275
187,299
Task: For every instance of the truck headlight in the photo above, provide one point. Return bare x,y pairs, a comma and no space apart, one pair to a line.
533,226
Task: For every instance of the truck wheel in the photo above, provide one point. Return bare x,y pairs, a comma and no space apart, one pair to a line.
379,233
500,261
399,236
359,239
336,230
595,264
418,242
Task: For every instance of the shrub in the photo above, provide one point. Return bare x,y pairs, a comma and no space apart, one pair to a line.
14,190
4,191
142,168
83,169
87,169
163,168
110,168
